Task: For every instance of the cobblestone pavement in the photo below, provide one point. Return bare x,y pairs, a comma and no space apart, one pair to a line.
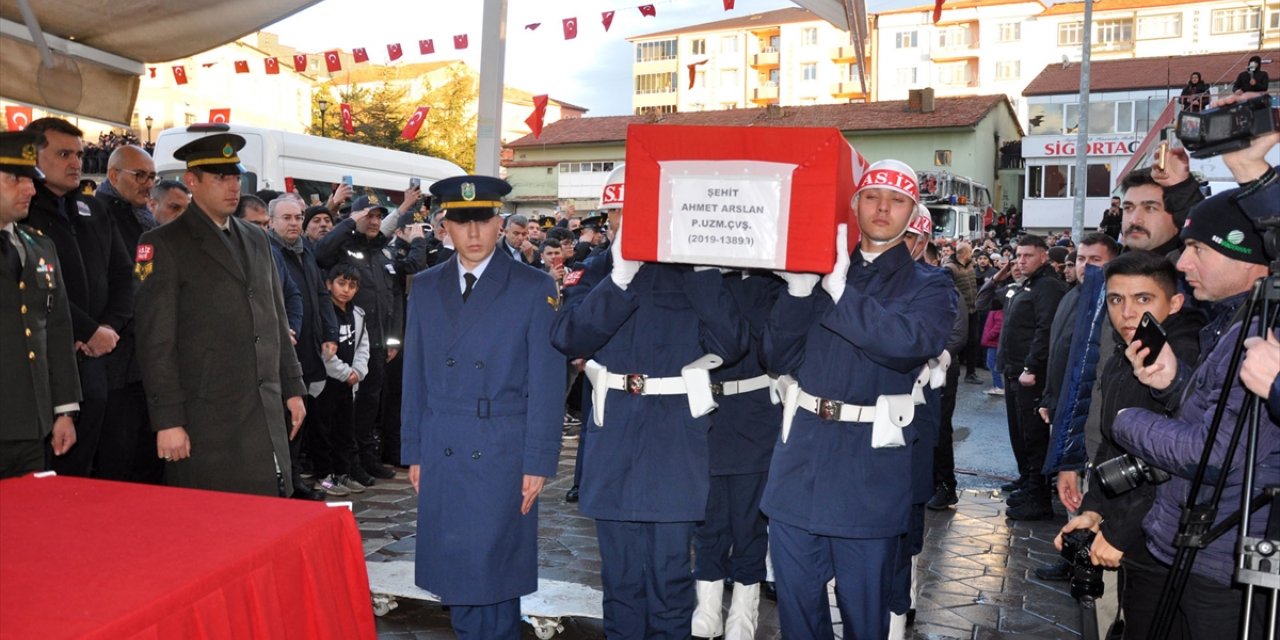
975,573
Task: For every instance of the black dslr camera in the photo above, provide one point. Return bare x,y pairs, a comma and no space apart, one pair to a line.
1227,128
1125,473
1086,577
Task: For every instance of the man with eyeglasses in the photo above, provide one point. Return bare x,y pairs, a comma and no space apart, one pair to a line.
97,270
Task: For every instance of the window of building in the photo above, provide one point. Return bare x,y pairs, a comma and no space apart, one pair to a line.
728,77
851,72
1070,33
698,47
662,108
1274,18
728,44
774,75
1010,32
809,71
1099,177
906,40
1236,20
809,36
1114,31
953,37
1102,116
1168,25
656,50
774,43
188,118
1070,118
942,158
697,106
586,167
1124,116
699,79
955,73
1044,119
1048,180
655,83
728,105
1008,70
907,75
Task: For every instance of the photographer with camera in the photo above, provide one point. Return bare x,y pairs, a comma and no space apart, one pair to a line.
1259,195
1223,257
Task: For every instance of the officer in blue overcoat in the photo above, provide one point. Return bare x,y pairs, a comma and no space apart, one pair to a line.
481,415
839,489
652,331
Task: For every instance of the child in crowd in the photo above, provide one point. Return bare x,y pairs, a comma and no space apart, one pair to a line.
334,449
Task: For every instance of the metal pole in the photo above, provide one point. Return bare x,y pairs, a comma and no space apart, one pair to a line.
1082,135
493,52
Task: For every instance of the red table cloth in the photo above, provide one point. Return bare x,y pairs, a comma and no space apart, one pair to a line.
95,559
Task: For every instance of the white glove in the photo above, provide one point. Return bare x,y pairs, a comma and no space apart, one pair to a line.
624,271
833,283
799,285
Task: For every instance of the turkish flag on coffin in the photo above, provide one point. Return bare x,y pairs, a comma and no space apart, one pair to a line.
415,123
332,61
347,124
300,62
17,117
360,54
272,66
570,28
394,51
767,197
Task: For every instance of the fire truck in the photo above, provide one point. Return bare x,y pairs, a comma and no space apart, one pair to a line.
961,207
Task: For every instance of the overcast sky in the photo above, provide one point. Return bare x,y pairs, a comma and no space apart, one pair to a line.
592,70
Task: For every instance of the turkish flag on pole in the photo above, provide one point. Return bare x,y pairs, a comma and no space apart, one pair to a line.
347,124
332,61
539,113
570,28
272,65
394,51
693,71
937,10
533,26
17,117
460,42
220,115
151,71
300,62
426,47
415,122
606,18
728,5
360,54
647,10
242,66
179,74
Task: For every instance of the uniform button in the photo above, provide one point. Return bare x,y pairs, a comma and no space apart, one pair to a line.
448,362
23,309
22,286
256,339
250,292
31,355
28,332
479,364
448,452
475,455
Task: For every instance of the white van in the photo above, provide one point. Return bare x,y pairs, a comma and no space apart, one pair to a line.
310,165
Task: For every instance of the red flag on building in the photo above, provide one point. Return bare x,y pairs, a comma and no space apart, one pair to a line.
647,10
693,71
426,47
460,42
347,124
728,5
360,54
937,10
607,19
179,74
533,26
220,115
332,61
570,28
242,66
272,66
300,62
415,123
394,51
151,71
17,117
539,114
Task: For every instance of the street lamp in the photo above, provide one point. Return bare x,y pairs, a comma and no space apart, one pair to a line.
149,122
324,106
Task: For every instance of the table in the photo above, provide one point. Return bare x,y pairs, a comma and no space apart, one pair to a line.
86,558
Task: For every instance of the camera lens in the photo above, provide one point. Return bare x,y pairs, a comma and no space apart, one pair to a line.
1119,475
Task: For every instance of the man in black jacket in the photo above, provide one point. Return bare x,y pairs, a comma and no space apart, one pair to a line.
1024,343
318,338
97,270
408,254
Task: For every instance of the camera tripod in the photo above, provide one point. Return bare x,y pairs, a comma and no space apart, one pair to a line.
1257,559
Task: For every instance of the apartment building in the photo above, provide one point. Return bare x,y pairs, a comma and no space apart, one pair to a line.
1155,28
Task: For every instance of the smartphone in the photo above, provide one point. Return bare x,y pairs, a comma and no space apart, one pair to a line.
1152,336
315,198
1162,152
415,183
347,180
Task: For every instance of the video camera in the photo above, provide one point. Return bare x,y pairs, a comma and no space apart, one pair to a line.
1125,473
1227,128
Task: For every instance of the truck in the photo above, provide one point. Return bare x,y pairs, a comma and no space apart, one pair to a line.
961,207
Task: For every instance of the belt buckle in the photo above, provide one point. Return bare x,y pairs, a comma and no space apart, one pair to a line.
717,388
829,409
635,383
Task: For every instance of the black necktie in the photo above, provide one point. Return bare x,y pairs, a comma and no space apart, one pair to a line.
9,254
471,283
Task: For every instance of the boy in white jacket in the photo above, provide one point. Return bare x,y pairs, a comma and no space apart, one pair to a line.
334,449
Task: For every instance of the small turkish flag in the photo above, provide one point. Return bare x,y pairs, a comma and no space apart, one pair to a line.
607,19
347,124
272,66
728,5
332,61
220,115
242,66
533,26
415,122
647,10
539,113
17,117
179,74
151,71
300,62
460,42
937,10
394,51
693,71
360,54
426,47
570,28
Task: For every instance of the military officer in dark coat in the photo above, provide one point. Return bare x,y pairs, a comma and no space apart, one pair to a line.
482,411
213,340
39,385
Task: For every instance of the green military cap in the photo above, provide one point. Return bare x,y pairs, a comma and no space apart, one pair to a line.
215,154
18,154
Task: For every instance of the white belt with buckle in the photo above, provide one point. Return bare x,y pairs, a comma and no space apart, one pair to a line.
694,381
836,410
889,415
734,387
642,385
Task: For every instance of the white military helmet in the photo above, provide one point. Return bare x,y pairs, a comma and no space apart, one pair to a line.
614,189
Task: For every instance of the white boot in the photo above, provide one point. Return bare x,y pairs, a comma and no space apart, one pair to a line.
897,626
744,613
708,618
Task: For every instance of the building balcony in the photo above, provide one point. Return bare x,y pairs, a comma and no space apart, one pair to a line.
846,89
767,57
1113,46
765,93
844,53
951,54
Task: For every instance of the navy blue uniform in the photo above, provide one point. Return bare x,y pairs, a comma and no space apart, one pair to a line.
646,471
577,284
836,505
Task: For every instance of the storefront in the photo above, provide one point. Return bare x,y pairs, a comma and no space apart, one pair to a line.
1051,177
